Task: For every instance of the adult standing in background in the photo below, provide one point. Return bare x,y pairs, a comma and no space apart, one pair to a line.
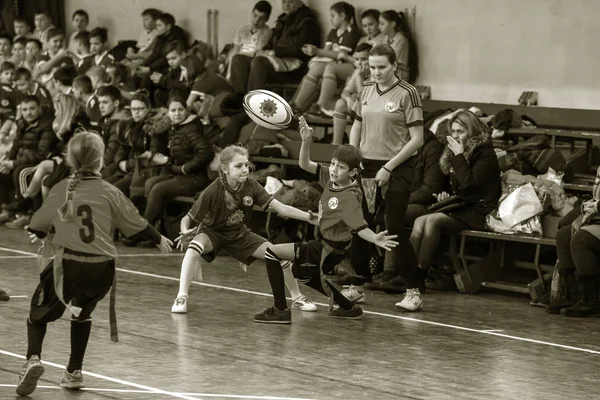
388,129
283,59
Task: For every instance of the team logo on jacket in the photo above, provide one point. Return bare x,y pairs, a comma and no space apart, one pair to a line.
333,203
247,201
390,106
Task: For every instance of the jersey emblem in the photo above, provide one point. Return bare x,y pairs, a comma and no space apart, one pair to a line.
235,218
333,203
390,106
247,201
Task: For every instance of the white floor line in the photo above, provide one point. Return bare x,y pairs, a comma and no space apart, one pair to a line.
492,332
89,389
108,378
13,257
18,297
152,255
27,253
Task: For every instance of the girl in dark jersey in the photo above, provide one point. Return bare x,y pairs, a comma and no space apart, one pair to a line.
221,214
83,211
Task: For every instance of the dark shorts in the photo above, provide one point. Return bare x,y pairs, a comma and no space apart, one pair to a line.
85,284
240,245
307,260
60,172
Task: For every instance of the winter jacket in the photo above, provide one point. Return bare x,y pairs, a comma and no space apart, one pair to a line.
189,151
109,128
33,142
136,138
157,61
474,174
181,78
427,178
294,30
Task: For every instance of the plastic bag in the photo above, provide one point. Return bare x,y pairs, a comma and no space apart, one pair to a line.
522,204
553,176
532,226
273,185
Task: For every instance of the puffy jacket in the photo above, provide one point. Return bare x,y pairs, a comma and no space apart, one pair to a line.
33,143
294,30
427,178
189,151
110,134
157,61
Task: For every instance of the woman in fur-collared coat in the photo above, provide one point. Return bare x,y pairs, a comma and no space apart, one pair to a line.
471,163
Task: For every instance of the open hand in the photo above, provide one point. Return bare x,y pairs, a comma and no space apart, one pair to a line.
33,238
165,246
313,218
590,206
306,132
454,145
183,240
310,49
442,196
385,241
382,177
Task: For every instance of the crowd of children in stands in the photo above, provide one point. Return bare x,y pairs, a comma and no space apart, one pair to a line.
156,105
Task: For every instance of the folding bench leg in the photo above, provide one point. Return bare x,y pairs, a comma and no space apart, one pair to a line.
537,288
467,280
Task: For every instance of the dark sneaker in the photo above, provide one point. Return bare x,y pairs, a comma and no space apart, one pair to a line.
583,308
32,371
377,279
72,381
440,279
274,316
393,285
4,296
354,313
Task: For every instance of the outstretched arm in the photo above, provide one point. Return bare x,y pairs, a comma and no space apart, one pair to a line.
381,239
306,132
292,212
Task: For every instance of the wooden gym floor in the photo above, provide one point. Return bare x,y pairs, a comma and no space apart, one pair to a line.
485,346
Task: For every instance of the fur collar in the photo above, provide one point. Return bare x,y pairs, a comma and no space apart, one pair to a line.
470,146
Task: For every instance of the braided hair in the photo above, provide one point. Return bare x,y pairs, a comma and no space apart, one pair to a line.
84,156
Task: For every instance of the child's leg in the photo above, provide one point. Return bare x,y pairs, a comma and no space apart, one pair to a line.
334,73
43,169
339,121
191,262
288,275
309,85
80,335
273,258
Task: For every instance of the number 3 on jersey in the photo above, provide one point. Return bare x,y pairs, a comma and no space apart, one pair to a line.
86,233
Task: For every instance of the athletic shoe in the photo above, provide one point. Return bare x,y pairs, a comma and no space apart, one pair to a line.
273,316
4,296
303,303
378,279
32,371
19,223
6,216
72,381
354,313
180,305
393,285
353,294
412,301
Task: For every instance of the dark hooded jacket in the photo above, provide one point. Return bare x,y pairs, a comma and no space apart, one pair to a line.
475,174
189,150
33,143
427,178
294,30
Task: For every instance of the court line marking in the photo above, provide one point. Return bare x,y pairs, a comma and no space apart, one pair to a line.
13,257
492,332
86,389
19,297
27,253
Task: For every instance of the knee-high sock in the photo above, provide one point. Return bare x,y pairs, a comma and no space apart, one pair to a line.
190,267
80,335
276,279
339,298
35,338
308,86
339,128
290,282
327,95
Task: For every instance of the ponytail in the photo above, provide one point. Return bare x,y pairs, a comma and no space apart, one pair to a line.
66,212
347,9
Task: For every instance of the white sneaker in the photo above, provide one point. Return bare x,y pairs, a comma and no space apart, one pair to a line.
303,303
353,294
180,305
412,301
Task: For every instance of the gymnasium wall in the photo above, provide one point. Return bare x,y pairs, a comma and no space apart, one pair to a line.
470,50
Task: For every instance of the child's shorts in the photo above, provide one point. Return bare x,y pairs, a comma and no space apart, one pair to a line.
240,244
309,260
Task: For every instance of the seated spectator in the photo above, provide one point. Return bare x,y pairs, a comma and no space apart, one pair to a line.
26,86
189,156
80,21
119,76
166,32
9,101
99,55
33,52
183,71
109,102
470,161
69,117
5,48
98,76
83,92
340,42
339,72
18,52
205,89
398,35
137,136
43,25
22,29
62,80
34,141
252,37
55,57
283,59
351,92
147,38
81,46
7,73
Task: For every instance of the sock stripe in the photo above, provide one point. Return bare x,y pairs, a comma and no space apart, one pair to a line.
196,246
285,264
270,255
